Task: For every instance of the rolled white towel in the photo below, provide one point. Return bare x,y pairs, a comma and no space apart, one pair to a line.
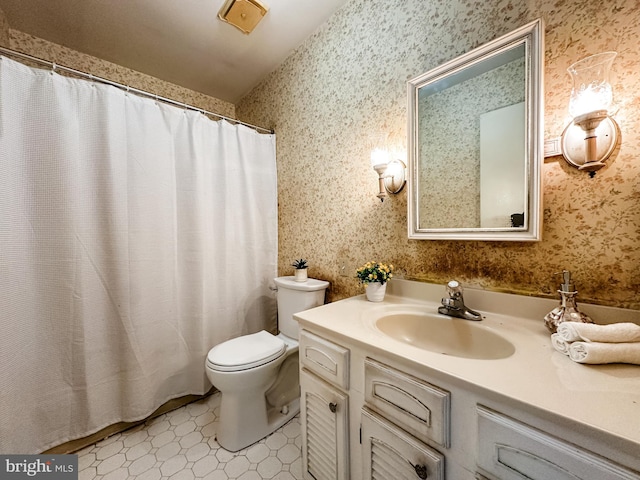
590,332
559,344
597,353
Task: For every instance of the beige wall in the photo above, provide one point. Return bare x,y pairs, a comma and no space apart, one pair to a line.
52,52
4,30
349,79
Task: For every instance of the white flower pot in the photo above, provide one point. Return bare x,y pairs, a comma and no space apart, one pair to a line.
300,275
375,291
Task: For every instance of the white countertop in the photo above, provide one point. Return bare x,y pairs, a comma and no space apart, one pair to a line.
604,397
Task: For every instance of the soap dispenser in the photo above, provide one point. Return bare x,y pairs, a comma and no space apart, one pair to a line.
567,311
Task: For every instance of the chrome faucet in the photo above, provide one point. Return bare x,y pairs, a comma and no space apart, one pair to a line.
454,305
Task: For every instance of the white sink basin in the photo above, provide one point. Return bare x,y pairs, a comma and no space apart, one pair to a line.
445,335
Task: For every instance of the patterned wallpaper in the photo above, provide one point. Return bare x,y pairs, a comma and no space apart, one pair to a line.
52,52
349,80
4,30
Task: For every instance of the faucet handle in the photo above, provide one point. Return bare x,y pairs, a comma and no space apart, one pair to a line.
454,288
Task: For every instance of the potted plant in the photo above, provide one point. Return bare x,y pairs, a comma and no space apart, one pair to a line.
374,276
301,270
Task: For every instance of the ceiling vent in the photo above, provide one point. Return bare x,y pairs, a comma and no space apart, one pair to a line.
243,14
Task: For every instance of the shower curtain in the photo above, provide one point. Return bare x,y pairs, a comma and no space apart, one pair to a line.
134,236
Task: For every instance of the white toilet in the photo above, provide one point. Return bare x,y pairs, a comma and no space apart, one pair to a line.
257,374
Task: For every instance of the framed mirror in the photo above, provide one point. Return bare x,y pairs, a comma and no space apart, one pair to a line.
476,143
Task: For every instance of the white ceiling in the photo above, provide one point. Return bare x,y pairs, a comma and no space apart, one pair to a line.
180,41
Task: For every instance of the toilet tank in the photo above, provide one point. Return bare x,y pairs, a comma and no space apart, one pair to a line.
294,297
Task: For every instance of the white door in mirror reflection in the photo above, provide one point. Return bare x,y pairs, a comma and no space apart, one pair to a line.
502,167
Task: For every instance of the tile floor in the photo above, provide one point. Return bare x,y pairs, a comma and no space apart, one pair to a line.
181,445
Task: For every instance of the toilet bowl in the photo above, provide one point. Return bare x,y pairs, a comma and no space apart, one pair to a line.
257,374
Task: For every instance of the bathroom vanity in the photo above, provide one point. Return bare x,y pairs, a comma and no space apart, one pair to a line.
394,390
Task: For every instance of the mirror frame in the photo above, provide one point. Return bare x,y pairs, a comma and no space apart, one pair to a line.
531,36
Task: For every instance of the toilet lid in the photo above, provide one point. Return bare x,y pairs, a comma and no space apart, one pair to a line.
245,352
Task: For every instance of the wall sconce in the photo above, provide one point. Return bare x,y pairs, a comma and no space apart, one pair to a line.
592,135
391,173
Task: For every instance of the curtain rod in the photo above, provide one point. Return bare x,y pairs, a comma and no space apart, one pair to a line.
54,66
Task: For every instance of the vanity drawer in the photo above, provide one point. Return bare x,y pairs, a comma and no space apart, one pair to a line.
420,408
511,450
324,358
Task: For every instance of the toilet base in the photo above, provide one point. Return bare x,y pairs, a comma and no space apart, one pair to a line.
262,423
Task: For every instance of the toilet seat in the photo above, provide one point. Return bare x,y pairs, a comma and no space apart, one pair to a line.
243,353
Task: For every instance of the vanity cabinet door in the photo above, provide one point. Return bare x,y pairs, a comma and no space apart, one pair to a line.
390,453
324,416
510,450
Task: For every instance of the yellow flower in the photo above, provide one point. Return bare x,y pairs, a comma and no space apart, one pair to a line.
374,272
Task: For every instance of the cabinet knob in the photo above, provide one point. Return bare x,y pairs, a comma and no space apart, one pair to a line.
421,470
333,407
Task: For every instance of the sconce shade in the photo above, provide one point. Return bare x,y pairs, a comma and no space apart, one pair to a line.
592,135
591,88
379,157
391,172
